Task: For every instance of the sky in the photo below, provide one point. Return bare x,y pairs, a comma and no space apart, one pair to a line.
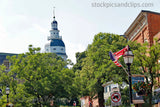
25,22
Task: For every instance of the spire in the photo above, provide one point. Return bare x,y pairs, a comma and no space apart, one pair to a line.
54,13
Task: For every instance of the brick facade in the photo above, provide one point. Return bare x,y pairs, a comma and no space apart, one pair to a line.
144,28
153,24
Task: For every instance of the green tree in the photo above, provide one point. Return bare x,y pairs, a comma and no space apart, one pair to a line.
6,79
41,77
97,68
79,61
125,97
76,86
78,82
146,60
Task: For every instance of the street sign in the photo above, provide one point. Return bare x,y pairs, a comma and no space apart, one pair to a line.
115,98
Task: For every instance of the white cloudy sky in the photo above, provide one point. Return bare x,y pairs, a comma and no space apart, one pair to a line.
24,22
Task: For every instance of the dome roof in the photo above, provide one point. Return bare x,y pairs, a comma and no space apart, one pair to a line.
54,28
57,42
54,22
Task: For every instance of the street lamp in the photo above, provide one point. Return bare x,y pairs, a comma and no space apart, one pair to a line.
7,92
128,59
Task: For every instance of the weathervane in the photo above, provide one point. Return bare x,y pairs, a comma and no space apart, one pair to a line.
54,13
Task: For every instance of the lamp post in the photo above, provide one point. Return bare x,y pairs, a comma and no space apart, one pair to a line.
7,92
128,59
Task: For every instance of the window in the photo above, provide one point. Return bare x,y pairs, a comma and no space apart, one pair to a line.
62,49
54,48
109,88
106,89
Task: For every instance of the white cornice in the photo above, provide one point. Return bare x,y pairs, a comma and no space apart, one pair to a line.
135,22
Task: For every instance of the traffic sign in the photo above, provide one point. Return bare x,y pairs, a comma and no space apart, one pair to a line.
116,98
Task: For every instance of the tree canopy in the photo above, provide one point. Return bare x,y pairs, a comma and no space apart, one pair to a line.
147,61
97,68
35,78
94,67
38,78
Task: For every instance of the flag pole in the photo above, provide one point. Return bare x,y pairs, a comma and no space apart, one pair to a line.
125,70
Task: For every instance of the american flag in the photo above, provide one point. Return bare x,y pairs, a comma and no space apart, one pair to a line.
115,56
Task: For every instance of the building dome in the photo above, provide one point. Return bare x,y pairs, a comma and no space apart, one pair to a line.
54,22
56,45
57,42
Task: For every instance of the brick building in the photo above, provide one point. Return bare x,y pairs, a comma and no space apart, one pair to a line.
145,28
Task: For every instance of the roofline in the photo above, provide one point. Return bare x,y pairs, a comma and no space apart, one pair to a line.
133,22
150,12
142,11
4,53
107,83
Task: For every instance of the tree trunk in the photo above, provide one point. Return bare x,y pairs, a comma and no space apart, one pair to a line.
150,97
101,98
39,101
